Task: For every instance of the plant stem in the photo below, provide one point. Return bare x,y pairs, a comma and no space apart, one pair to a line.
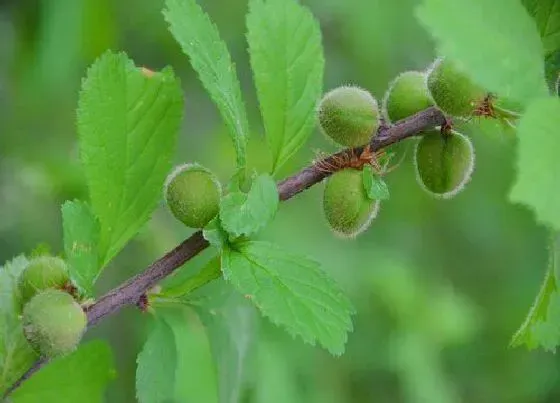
130,292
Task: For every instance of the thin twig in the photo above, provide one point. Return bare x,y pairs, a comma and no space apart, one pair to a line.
130,292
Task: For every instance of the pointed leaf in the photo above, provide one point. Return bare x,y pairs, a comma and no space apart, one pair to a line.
542,325
538,172
375,186
81,237
287,62
200,40
246,214
292,291
128,121
509,64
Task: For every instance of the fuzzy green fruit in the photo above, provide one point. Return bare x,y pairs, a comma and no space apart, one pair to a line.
347,207
53,323
193,194
41,273
452,90
407,95
349,116
444,163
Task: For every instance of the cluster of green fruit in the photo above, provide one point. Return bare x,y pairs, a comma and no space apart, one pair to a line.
444,158
53,321
351,116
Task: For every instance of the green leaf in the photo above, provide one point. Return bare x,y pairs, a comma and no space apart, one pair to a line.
128,120
79,377
195,372
209,57
496,42
247,213
16,356
538,172
375,186
157,363
210,272
292,291
287,62
230,322
546,14
552,69
542,325
81,236
215,233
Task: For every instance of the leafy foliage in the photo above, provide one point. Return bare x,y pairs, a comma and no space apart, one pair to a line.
15,353
127,122
495,41
538,173
375,186
79,377
81,237
292,291
246,213
176,345
546,14
542,325
200,40
287,62
155,375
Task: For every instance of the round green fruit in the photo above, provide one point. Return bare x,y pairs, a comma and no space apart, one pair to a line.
444,163
349,116
452,89
53,323
347,207
41,273
193,194
407,95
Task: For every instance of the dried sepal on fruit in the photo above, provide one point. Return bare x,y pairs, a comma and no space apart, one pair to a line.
41,273
193,194
454,92
53,323
346,205
349,116
407,95
444,163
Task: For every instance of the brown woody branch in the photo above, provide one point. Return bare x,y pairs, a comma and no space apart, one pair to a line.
130,292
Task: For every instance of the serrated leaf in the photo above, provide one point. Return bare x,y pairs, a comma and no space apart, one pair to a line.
291,291
128,120
287,62
538,172
157,363
375,186
79,377
542,325
200,40
247,213
16,356
81,236
495,42
546,14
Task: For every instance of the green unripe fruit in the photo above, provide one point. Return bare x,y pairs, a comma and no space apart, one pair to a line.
407,95
53,323
347,208
192,194
41,273
349,116
452,90
444,163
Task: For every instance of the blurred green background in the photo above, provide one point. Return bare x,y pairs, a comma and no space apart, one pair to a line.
439,286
